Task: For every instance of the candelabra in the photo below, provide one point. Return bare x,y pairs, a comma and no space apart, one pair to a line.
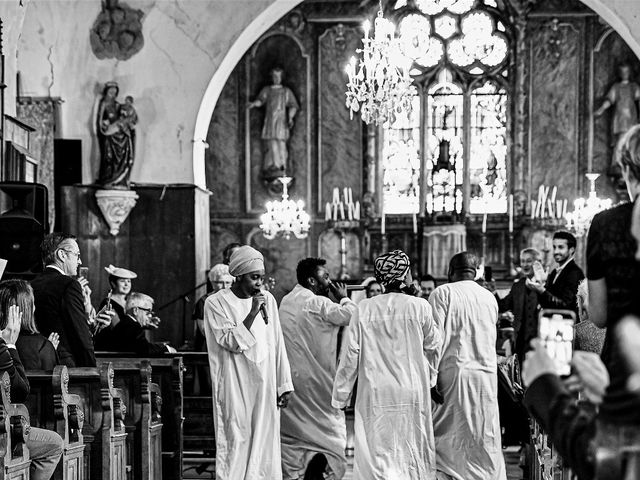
585,209
285,216
381,84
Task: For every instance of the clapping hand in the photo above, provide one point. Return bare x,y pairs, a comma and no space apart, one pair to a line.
153,323
86,293
54,338
12,330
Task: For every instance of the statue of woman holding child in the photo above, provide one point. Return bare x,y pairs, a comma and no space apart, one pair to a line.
115,128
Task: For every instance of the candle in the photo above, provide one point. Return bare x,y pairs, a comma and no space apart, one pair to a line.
336,195
350,196
341,211
350,211
382,224
327,211
484,223
510,208
415,224
335,211
356,212
534,206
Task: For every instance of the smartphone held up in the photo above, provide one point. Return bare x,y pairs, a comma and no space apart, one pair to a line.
555,330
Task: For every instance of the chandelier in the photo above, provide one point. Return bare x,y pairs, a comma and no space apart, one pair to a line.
585,209
285,216
380,85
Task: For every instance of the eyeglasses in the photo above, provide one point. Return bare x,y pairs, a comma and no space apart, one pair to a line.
148,310
77,254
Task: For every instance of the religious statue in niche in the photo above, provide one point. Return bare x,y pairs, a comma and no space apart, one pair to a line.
624,95
281,107
117,32
115,129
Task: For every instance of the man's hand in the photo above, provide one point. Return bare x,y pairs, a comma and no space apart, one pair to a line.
339,290
152,323
54,338
590,377
537,363
535,286
12,330
86,293
283,400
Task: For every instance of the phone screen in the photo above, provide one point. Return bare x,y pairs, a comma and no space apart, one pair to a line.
555,330
83,272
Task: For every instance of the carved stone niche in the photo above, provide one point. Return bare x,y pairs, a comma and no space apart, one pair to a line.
115,206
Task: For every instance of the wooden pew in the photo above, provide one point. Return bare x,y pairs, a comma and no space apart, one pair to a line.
63,415
104,429
144,422
167,372
14,430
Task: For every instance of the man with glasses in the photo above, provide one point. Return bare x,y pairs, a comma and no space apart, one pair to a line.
128,334
61,303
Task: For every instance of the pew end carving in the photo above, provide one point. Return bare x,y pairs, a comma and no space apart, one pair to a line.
14,431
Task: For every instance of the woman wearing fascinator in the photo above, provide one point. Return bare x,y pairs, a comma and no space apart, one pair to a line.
120,283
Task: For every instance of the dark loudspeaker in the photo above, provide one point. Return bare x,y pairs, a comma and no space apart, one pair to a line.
23,224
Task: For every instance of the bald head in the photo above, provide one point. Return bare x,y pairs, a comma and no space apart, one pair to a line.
463,266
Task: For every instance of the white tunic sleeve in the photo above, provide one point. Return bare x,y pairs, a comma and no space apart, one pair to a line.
431,343
348,367
283,370
439,304
232,337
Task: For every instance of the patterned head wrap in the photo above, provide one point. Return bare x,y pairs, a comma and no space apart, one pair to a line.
244,260
391,267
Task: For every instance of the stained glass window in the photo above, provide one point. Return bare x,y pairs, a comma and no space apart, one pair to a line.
457,50
488,158
445,163
401,162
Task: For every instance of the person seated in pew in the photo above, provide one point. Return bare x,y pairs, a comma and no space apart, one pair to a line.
36,351
45,446
63,303
120,283
128,334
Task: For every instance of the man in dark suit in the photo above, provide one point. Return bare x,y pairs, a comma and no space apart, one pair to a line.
128,334
561,288
523,303
61,305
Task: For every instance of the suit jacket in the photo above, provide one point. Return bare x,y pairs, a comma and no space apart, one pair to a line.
127,336
523,303
60,308
561,292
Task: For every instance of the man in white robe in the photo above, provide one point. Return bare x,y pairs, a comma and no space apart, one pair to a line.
467,423
250,372
392,348
310,325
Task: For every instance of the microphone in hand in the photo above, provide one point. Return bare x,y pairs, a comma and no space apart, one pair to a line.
263,311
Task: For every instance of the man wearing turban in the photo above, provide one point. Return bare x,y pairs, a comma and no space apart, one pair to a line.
467,423
392,348
249,372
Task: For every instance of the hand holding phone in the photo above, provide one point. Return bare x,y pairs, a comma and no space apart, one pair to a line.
555,331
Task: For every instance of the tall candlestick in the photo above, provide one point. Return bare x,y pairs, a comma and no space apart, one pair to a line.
511,213
484,223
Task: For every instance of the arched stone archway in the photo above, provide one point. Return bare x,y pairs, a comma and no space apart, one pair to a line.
617,13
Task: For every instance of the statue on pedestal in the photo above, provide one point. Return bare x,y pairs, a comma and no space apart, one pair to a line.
115,128
625,96
281,107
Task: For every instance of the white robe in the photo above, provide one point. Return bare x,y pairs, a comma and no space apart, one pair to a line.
310,425
467,425
392,349
249,370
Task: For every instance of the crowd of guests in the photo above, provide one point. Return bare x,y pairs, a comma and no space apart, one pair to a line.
420,360
51,321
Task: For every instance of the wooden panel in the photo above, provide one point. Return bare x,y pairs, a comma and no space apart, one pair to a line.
555,66
340,138
159,241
